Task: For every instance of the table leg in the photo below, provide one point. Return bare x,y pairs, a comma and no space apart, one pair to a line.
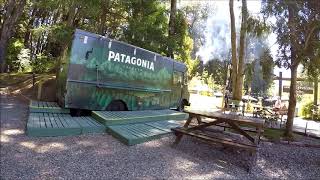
252,161
178,135
259,135
237,128
199,120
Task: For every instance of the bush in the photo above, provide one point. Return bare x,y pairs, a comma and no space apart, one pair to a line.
307,111
43,63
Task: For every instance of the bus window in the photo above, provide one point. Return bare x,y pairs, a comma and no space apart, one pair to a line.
177,77
185,78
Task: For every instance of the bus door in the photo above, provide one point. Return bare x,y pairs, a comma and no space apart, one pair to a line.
177,87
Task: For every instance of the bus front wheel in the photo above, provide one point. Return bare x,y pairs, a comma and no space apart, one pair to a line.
117,105
183,103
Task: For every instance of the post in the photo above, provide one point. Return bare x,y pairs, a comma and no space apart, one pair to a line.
315,92
225,86
280,84
39,90
33,79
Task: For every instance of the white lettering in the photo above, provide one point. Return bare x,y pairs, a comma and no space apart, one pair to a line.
122,57
151,66
117,57
133,60
144,63
127,60
139,62
148,64
111,55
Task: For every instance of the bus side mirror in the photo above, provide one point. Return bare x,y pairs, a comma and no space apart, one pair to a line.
87,53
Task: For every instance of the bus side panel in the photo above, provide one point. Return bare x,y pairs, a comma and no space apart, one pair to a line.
129,66
95,79
97,98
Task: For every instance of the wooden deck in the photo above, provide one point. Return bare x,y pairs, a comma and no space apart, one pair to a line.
109,118
58,124
46,107
130,127
137,133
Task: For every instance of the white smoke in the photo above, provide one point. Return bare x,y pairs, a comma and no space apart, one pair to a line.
217,32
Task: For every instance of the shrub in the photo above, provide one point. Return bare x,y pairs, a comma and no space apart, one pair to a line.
307,111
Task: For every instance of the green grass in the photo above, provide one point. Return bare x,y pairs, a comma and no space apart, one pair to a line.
14,78
273,134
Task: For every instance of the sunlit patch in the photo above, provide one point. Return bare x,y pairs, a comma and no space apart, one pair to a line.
212,175
29,145
13,132
184,164
4,138
152,144
103,152
51,147
219,166
85,143
222,161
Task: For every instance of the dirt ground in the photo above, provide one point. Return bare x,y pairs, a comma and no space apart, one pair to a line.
100,156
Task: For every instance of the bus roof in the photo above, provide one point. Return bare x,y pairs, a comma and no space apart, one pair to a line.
177,64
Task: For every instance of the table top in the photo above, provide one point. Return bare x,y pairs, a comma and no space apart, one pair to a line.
258,122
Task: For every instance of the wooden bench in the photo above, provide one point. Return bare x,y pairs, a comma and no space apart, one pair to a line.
200,131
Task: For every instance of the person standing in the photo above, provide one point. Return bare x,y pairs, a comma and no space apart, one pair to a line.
277,105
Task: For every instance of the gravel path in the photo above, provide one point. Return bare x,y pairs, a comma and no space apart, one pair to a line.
103,157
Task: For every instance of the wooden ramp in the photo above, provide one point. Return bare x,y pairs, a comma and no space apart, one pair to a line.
134,127
109,118
46,107
137,133
59,124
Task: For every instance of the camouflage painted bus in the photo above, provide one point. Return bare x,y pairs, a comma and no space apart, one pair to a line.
98,73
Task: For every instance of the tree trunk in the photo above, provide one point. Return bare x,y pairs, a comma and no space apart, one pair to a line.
239,83
13,11
292,101
103,16
233,50
172,23
294,68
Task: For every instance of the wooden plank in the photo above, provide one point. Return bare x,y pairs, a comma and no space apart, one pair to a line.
58,122
163,125
88,121
242,132
53,122
42,122
135,132
147,130
243,128
258,122
48,122
125,117
216,140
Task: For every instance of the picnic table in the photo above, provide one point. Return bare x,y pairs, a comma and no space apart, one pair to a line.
269,113
231,121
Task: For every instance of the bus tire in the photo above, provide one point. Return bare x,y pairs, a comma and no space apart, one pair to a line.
117,105
183,103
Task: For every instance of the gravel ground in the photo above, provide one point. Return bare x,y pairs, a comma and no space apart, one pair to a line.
103,157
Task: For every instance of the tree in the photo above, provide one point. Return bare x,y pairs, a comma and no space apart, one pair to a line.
234,61
172,24
147,25
238,65
12,11
196,16
297,28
